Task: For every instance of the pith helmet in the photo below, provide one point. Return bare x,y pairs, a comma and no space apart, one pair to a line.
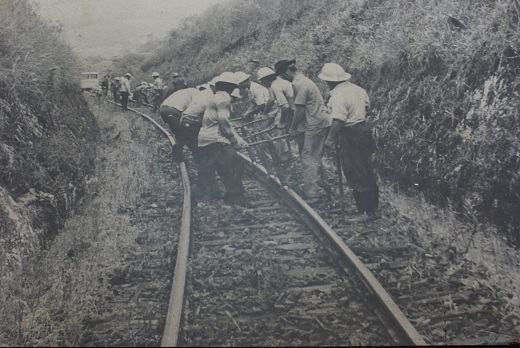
264,72
155,74
213,80
236,93
128,75
334,73
241,76
227,77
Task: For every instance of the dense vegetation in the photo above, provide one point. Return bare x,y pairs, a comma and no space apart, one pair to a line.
442,76
46,144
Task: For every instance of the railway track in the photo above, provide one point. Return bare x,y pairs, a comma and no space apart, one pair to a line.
274,274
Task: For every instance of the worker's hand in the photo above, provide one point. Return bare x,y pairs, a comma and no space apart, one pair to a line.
329,143
240,144
293,132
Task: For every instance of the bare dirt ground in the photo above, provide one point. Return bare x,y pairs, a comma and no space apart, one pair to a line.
91,287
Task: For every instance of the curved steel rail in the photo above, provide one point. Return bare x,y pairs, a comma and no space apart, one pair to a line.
394,318
176,302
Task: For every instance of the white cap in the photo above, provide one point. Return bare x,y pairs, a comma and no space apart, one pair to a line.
227,77
236,93
128,74
334,73
241,76
155,73
263,72
213,80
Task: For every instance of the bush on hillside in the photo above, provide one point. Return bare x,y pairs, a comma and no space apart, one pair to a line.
444,96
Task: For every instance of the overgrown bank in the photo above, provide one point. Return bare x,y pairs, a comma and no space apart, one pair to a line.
47,144
442,75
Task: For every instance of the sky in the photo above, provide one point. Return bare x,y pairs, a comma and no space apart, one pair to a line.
111,27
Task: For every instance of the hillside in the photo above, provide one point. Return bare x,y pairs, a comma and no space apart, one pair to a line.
47,140
442,76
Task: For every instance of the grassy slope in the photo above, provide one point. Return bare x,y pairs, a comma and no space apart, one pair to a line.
46,143
444,99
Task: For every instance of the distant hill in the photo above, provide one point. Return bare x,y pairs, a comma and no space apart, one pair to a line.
442,76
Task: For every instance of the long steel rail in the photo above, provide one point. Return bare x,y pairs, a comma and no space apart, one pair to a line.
393,317
176,302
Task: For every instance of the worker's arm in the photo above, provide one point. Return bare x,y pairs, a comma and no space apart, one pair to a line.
333,132
268,106
223,117
253,109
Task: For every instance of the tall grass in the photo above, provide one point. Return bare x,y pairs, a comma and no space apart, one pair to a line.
46,147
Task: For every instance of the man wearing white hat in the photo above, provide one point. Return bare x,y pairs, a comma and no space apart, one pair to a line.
347,106
191,119
171,112
125,90
218,142
158,87
258,95
281,97
283,93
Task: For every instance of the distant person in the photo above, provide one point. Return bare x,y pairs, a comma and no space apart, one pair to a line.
258,95
347,106
139,93
116,86
310,125
125,90
171,111
178,82
158,87
105,84
218,143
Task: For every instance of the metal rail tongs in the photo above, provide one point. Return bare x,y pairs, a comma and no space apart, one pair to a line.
264,147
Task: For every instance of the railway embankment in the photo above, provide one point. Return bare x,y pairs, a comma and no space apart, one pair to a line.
47,150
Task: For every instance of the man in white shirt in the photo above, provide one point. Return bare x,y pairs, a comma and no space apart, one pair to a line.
171,112
125,90
258,95
347,107
310,124
157,91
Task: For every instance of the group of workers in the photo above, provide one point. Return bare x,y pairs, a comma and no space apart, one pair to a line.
200,118
144,92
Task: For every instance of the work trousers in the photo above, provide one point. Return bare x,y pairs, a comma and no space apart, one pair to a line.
311,146
157,100
115,94
124,99
184,133
223,159
356,147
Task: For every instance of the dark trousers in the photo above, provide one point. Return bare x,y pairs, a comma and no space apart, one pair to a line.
124,100
157,100
223,159
186,133
115,93
356,149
